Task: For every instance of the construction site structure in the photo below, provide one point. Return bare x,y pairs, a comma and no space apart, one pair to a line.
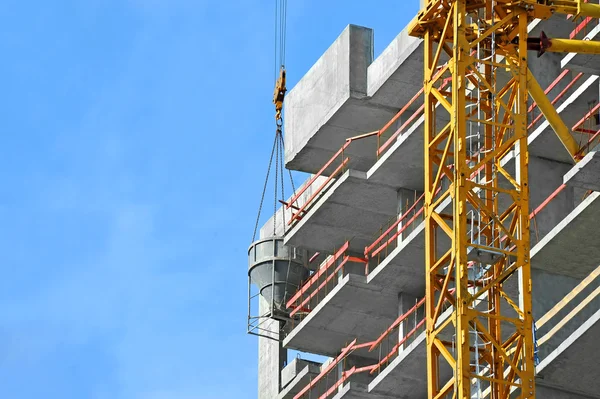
444,244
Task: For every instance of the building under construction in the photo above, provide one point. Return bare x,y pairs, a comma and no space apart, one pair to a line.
445,244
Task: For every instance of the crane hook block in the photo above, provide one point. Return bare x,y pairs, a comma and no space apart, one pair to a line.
279,94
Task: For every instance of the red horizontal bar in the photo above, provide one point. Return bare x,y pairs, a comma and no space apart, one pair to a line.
383,246
547,201
401,112
370,247
356,259
549,88
315,277
323,284
394,350
587,145
345,376
580,27
318,191
400,130
318,174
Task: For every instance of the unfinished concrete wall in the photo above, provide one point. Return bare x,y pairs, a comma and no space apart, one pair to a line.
330,91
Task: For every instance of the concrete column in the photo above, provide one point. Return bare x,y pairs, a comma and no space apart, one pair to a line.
405,303
271,357
406,199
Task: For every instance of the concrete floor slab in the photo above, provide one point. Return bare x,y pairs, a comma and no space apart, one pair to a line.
352,209
586,173
353,309
575,364
572,247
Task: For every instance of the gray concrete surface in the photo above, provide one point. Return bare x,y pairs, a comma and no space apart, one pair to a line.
548,289
572,247
586,173
586,63
550,392
397,74
575,365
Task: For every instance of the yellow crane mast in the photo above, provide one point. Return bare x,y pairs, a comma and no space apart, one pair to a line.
476,86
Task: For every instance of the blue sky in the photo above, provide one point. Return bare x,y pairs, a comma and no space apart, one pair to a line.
135,137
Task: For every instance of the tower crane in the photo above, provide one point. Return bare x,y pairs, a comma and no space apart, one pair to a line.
482,46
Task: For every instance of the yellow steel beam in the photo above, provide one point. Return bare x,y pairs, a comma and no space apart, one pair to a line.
551,115
588,9
573,46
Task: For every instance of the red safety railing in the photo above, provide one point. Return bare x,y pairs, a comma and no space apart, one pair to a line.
320,283
388,344
388,240
542,207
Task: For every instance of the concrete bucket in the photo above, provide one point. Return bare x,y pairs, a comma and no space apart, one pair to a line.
277,270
